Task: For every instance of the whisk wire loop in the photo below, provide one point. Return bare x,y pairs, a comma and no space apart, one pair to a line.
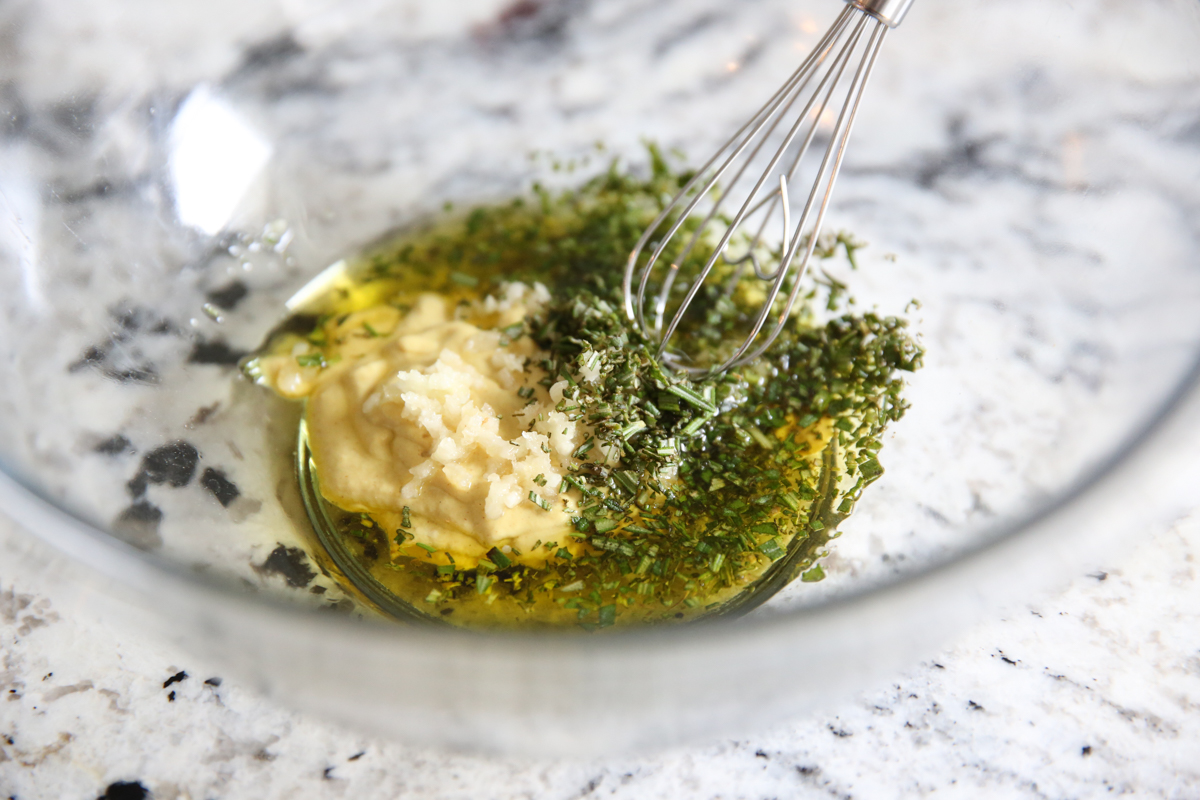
781,273
835,154
774,114
812,88
739,141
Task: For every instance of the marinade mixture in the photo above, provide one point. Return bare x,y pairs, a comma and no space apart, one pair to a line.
489,442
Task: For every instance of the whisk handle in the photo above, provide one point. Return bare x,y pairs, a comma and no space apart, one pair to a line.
889,12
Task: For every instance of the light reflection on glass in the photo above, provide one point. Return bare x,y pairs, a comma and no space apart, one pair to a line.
215,157
20,216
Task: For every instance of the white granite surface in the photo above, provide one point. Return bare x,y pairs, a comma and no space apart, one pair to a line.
1089,694
1015,202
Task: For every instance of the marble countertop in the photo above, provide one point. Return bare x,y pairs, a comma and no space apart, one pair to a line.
1094,692
1013,206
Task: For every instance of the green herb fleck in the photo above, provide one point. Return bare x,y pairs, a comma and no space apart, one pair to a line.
813,575
311,360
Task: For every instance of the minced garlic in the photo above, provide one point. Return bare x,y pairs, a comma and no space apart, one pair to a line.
445,417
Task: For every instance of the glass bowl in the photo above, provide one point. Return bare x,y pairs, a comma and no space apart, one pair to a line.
1028,171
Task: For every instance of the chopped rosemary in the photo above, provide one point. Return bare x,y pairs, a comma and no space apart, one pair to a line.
633,428
771,549
813,575
498,558
684,492
311,360
684,393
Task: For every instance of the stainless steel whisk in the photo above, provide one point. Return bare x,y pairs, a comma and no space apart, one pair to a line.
854,38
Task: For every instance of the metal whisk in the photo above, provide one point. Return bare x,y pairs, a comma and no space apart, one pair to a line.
807,101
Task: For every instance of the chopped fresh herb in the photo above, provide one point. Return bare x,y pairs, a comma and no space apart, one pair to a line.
771,549
608,615
311,360
813,575
684,393
759,437
604,543
693,427
667,448
635,427
605,525
627,480
870,469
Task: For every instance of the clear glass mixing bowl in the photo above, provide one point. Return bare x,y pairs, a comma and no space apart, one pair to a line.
170,174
